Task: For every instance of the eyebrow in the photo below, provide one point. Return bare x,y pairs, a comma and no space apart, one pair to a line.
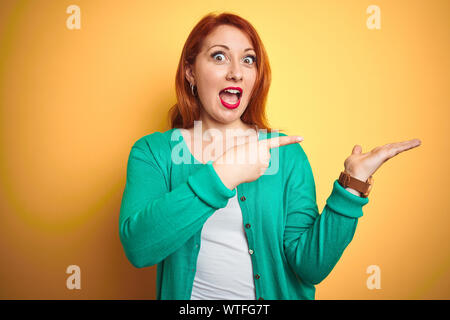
224,46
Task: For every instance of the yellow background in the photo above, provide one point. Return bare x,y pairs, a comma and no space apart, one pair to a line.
73,102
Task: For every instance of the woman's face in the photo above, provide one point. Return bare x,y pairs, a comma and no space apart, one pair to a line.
227,59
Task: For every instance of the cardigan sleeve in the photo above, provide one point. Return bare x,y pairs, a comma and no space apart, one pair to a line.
155,221
314,243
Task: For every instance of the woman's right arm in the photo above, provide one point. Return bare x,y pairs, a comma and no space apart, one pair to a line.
154,222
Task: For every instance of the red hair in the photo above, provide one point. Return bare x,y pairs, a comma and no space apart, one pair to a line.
187,109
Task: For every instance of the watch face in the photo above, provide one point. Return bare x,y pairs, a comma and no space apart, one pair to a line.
370,182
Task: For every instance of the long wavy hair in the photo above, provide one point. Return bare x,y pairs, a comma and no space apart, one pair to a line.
187,108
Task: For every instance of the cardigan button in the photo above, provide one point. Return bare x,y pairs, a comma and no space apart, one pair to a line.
260,298
243,198
257,276
251,251
248,225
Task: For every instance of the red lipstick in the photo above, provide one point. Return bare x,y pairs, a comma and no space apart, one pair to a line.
228,105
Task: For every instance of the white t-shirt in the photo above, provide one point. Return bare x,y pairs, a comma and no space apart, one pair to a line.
224,266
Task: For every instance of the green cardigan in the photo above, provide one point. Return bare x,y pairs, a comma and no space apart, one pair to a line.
165,204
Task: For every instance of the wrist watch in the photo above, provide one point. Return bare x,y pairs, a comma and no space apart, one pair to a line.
347,181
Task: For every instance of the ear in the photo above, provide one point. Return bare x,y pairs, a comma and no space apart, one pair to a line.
190,74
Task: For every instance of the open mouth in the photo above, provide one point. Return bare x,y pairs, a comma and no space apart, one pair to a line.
230,97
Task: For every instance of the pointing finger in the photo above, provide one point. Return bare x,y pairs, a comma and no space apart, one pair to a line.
282,141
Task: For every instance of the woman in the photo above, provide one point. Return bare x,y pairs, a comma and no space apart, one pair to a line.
225,205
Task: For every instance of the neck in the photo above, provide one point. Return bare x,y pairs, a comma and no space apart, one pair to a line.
211,128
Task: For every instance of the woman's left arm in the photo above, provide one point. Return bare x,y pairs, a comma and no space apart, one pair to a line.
314,243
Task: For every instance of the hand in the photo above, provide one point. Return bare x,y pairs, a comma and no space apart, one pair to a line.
248,161
362,165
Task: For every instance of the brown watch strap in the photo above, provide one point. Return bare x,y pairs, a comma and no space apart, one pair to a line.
347,181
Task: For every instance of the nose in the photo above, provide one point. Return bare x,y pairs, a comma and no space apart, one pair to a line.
234,72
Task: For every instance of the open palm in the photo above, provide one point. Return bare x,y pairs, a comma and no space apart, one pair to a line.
362,165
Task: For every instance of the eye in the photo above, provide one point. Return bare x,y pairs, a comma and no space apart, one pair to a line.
253,59
218,53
